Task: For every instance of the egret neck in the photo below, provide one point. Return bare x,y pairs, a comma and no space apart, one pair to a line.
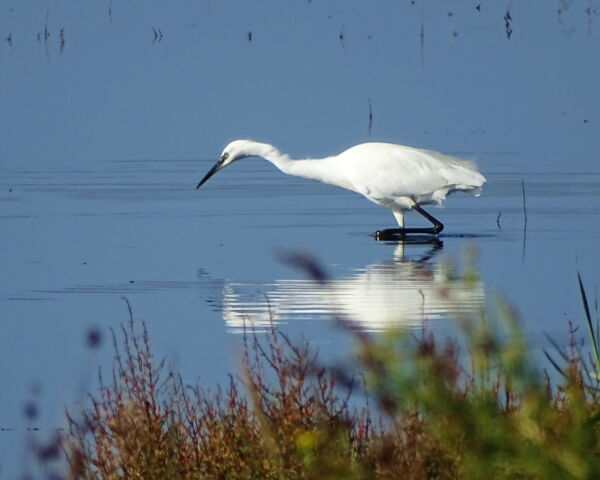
324,170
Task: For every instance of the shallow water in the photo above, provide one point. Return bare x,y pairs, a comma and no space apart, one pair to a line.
104,141
138,228
200,266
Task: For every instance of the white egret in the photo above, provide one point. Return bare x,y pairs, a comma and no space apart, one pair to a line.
394,176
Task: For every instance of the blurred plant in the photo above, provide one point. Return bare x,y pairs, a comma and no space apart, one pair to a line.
147,424
413,410
593,333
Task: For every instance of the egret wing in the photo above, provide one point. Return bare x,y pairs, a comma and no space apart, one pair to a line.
387,171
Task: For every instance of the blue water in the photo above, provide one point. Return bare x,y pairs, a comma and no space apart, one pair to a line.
103,144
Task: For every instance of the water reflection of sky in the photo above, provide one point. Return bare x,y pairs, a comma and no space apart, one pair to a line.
103,144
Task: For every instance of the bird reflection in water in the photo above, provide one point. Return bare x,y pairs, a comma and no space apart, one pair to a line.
386,294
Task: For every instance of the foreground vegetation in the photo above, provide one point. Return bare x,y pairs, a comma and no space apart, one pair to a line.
420,409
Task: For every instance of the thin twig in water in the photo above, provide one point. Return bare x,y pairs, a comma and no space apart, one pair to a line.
341,37
563,6
589,11
46,34
507,23
524,201
498,220
158,35
452,29
62,39
370,117
422,38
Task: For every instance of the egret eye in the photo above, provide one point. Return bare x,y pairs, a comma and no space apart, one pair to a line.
224,157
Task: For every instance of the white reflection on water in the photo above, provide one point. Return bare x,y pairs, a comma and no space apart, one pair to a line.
379,296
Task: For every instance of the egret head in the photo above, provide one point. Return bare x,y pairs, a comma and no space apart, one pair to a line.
236,150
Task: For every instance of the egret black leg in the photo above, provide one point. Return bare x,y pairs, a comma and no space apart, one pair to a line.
392,233
437,225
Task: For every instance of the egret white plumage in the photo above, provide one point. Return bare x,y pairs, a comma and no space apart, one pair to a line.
398,177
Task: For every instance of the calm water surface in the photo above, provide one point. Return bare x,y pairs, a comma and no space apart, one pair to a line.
200,265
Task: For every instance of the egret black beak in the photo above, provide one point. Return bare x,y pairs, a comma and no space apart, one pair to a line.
216,167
